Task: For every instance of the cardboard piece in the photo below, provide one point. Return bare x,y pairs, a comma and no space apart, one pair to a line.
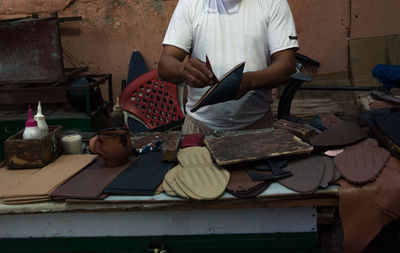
42,182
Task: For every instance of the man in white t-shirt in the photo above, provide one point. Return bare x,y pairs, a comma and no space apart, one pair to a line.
260,33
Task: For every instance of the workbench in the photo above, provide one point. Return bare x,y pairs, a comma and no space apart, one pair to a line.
278,220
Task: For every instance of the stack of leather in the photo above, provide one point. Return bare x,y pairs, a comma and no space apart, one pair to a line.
310,173
195,176
90,182
370,188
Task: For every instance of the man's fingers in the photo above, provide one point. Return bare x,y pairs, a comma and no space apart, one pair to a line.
196,73
201,66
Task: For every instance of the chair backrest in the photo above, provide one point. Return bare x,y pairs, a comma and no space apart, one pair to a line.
153,101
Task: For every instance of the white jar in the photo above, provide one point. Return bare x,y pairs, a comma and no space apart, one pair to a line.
72,142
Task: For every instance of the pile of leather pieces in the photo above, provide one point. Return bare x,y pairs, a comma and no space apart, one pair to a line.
370,185
195,176
303,175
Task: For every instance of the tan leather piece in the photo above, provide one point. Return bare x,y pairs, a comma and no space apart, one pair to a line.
45,180
170,185
361,165
361,220
194,157
388,199
207,182
307,174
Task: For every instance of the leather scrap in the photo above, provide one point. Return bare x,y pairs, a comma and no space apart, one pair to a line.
307,174
362,165
240,181
361,220
252,192
344,133
90,182
388,200
142,177
269,172
328,172
192,140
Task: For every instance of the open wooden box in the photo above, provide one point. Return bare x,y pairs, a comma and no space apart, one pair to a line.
22,154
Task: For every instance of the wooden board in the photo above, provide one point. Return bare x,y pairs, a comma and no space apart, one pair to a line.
308,108
252,145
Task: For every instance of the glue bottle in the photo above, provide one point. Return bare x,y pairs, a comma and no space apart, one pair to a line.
116,118
41,121
31,131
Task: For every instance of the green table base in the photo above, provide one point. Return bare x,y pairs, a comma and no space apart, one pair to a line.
282,242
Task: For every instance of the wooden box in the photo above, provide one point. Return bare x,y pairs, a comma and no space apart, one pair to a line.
22,154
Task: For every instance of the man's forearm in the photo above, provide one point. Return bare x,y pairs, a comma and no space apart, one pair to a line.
170,69
274,75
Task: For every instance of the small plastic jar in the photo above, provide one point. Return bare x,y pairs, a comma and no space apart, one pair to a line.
72,141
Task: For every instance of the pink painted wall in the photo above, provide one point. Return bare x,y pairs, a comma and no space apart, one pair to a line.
112,29
371,18
322,28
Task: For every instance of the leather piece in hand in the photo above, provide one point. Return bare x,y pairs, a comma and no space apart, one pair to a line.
225,89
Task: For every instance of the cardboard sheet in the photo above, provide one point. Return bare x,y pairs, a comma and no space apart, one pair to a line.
42,181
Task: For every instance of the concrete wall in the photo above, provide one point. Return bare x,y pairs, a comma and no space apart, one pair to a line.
112,29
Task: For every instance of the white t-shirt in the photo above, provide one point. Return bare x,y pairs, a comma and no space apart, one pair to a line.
230,32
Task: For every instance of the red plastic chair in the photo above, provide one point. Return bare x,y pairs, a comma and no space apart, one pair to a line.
153,101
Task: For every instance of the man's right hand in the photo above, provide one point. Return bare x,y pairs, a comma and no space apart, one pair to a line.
175,66
196,74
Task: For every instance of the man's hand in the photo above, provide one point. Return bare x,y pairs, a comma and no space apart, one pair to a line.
278,73
196,74
175,66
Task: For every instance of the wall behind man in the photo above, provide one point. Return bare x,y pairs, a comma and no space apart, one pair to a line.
112,29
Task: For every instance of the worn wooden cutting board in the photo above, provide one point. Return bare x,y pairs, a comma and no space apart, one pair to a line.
252,145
